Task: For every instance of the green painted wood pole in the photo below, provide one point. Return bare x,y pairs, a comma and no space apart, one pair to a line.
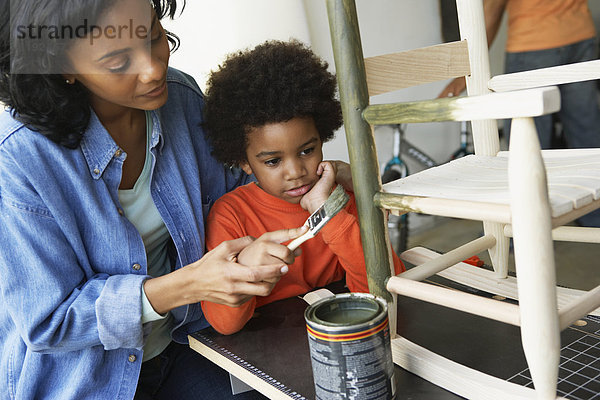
349,63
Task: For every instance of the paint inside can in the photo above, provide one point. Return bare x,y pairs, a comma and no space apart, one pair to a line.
350,347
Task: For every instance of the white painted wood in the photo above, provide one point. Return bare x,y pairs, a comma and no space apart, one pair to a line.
499,252
486,141
559,75
467,302
438,264
579,308
393,304
566,218
569,234
238,371
452,376
534,257
395,71
485,280
485,133
573,180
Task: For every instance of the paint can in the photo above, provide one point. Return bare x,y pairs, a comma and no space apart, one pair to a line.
350,348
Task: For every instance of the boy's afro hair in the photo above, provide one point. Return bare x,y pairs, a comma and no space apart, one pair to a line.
274,82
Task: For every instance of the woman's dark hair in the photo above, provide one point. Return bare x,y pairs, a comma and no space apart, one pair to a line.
42,101
274,82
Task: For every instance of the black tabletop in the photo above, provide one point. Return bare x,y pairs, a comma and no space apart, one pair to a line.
274,345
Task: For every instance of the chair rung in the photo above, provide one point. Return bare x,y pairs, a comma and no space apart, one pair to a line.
474,210
470,303
446,260
579,307
569,234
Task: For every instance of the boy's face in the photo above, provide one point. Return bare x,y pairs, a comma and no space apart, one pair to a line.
284,157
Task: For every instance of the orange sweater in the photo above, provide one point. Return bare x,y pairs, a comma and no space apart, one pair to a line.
335,251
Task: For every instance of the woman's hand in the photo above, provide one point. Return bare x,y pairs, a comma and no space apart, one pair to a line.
320,192
218,278
267,249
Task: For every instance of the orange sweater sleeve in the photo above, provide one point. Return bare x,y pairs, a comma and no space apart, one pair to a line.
223,224
342,235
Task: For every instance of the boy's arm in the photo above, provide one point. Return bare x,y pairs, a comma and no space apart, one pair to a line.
228,320
342,235
222,224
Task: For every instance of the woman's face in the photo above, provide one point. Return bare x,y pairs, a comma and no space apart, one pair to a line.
123,62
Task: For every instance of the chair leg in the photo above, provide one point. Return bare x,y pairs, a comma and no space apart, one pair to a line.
534,258
499,252
354,97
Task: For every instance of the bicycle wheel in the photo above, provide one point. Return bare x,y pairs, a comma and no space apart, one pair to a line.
394,173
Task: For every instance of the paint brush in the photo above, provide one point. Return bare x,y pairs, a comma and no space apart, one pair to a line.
317,220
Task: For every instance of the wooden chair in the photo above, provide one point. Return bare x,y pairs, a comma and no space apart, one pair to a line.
526,193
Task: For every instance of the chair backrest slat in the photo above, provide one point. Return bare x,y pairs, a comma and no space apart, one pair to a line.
389,72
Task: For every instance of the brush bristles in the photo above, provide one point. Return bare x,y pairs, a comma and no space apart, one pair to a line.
336,201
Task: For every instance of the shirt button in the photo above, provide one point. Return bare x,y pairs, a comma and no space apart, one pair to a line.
96,171
118,153
136,266
120,211
132,358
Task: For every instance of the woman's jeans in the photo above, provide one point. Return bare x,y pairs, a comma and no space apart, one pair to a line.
579,111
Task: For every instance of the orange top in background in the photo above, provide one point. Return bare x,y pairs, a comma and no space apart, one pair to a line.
545,24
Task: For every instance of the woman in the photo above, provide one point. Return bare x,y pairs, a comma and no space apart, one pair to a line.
105,180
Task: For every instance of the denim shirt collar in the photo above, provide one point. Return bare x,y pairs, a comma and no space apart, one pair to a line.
99,148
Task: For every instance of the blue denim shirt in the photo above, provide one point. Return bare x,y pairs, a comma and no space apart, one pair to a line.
70,276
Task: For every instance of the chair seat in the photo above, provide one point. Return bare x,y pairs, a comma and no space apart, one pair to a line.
573,180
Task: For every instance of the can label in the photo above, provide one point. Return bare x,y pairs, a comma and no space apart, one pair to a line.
350,348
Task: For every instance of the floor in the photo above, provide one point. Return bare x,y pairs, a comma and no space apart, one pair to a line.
577,264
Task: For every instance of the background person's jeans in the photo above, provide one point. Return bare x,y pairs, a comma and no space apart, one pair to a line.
180,373
579,111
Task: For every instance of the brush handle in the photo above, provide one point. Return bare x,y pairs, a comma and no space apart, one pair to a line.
293,245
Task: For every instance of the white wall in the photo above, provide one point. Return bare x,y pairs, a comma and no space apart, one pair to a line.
209,30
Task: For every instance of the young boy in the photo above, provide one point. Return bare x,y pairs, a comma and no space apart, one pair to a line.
269,110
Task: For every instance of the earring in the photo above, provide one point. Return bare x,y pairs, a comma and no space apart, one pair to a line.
68,81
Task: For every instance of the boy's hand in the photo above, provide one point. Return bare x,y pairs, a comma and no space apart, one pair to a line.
322,189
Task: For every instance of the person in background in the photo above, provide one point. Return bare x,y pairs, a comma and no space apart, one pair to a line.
547,33
106,178
269,110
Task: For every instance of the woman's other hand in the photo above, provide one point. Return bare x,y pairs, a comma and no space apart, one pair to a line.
267,249
454,88
343,175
